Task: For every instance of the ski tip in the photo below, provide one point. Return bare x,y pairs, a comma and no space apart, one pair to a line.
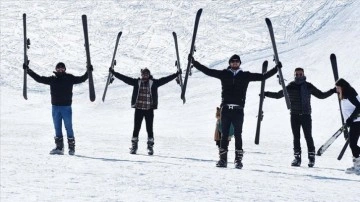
268,21
265,63
174,33
200,10
24,14
120,33
332,55
84,16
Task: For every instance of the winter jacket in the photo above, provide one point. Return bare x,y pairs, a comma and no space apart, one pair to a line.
293,90
234,87
154,85
351,108
61,86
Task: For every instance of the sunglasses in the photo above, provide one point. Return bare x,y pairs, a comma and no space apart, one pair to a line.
299,75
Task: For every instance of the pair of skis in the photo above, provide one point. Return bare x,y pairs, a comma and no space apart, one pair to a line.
281,81
88,60
327,144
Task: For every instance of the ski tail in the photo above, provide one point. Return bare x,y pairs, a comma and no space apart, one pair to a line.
177,64
113,63
343,149
26,60
328,143
192,48
261,113
88,59
277,61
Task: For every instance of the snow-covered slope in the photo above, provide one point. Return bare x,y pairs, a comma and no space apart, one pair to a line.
183,167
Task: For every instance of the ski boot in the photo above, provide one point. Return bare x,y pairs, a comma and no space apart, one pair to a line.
297,161
134,145
238,158
150,146
222,163
311,156
59,149
71,143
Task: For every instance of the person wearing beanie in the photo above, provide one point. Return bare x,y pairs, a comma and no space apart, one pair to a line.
300,92
234,82
350,108
61,90
145,100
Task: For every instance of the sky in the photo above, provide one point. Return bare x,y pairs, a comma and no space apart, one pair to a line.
183,165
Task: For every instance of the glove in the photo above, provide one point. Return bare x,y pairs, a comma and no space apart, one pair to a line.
111,70
90,68
279,65
333,90
25,66
191,58
349,121
266,94
179,72
346,136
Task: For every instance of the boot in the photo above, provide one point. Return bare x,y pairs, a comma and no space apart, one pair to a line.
297,161
238,158
351,169
59,149
311,156
222,163
71,143
357,165
150,145
134,145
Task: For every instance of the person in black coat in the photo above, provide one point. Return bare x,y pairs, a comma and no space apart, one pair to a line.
61,86
300,92
144,99
234,82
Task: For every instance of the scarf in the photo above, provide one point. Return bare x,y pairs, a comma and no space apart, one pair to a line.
304,94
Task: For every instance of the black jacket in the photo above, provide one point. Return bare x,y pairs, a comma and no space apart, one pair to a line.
293,90
234,87
60,86
154,85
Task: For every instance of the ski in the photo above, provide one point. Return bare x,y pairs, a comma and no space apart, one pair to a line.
192,48
276,57
336,77
261,113
177,63
26,59
110,77
88,60
327,144
343,149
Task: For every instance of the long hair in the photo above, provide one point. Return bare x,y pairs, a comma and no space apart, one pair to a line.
346,89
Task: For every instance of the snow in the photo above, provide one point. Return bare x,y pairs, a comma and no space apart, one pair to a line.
183,166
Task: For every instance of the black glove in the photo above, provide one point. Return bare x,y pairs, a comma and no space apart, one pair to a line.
349,121
191,58
346,136
25,66
279,65
90,68
333,90
266,94
111,70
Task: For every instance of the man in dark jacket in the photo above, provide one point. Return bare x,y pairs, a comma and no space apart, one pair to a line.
300,92
61,86
144,100
234,82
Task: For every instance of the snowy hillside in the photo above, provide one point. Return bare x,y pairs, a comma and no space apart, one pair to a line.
183,166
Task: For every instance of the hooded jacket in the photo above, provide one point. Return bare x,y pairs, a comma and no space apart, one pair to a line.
234,86
153,83
61,86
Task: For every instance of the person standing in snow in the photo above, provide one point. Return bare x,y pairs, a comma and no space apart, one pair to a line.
61,86
300,92
234,82
144,100
350,106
